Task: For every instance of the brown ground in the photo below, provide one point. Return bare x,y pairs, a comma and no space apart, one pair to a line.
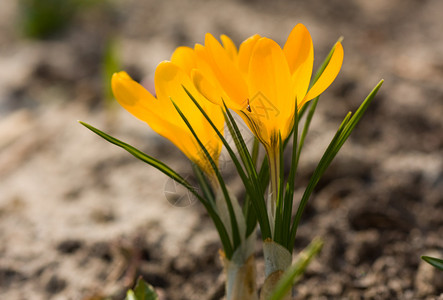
80,218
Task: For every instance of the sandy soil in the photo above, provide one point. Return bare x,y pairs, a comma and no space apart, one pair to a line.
81,219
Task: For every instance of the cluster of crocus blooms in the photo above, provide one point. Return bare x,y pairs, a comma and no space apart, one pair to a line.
265,84
221,73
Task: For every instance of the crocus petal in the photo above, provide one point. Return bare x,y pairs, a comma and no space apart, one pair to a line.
211,92
302,77
132,96
328,76
298,47
270,86
226,71
299,52
229,46
244,53
206,81
169,79
140,103
184,57
203,58
169,82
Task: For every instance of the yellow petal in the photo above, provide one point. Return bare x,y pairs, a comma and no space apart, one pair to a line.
140,103
206,81
298,47
209,91
269,78
132,96
299,52
226,71
302,76
328,76
244,54
203,58
184,57
169,82
229,46
212,92
169,79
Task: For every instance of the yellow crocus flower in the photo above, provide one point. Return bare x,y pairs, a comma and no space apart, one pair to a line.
261,81
160,113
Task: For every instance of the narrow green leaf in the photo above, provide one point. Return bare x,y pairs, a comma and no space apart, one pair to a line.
359,114
306,129
255,151
337,142
324,161
142,156
250,191
281,174
222,138
223,233
302,111
259,202
279,222
250,200
293,273
263,175
248,206
435,262
173,175
203,183
239,143
289,192
234,224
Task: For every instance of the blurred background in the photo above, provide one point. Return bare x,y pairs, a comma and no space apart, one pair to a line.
81,219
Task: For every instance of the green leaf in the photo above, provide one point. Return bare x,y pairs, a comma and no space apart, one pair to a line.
240,143
175,176
284,223
258,187
250,180
203,183
279,236
250,214
293,273
142,291
313,102
289,192
142,156
337,142
255,151
435,262
305,130
234,224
